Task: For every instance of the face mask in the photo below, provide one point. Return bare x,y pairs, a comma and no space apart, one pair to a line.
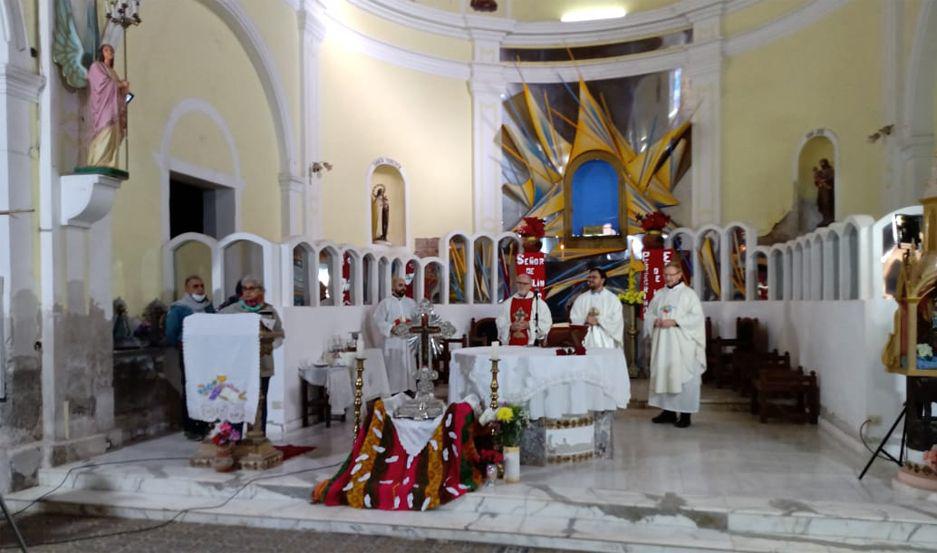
198,297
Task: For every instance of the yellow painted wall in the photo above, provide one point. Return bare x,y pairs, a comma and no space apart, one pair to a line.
827,75
371,109
551,10
184,51
276,21
758,14
397,35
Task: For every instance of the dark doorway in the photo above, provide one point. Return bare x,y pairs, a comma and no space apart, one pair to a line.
199,206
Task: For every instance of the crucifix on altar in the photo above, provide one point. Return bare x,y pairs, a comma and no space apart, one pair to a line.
424,405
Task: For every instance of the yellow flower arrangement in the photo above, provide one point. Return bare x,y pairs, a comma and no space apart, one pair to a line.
632,295
504,414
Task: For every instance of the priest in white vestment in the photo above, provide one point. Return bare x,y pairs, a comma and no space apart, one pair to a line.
600,310
677,327
525,318
398,359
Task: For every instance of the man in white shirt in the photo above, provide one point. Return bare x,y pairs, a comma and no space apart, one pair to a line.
676,324
600,310
525,318
398,359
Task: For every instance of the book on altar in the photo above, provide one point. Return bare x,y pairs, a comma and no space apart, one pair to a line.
221,354
566,335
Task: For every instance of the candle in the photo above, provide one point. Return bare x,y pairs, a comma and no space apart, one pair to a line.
359,347
494,349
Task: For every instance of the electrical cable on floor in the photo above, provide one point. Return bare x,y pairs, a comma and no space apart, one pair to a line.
165,522
866,445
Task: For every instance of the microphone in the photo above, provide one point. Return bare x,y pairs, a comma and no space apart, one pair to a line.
536,292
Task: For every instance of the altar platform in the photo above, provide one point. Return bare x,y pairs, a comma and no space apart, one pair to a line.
728,483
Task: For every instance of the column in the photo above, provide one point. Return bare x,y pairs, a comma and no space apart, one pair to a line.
704,77
312,33
487,86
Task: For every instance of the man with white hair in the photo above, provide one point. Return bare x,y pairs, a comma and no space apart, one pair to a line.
525,318
271,332
392,311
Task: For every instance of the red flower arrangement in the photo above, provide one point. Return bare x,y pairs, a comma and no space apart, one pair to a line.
655,220
490,456
578,350
532,226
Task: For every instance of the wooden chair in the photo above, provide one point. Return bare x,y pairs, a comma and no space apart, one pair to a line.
314,401
750,364
441,363
786,394
482,332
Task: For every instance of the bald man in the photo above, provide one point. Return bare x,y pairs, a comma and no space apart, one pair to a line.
398,359
524,318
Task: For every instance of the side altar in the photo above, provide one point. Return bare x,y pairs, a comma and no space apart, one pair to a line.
571,399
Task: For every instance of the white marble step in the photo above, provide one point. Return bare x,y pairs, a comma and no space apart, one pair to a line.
523,528
554,507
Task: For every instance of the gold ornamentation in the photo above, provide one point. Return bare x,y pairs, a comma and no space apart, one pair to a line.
359,386
494,384
577,458
552,424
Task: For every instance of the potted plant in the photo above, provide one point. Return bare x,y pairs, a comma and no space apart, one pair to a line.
511,420
224,436
532,229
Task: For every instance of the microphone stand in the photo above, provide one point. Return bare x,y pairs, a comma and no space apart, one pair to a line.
536,317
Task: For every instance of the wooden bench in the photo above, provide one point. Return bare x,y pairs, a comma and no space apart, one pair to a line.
786,394
748,364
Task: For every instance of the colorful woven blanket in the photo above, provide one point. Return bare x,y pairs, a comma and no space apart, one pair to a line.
379,474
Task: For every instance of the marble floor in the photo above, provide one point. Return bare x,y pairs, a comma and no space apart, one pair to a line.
726,483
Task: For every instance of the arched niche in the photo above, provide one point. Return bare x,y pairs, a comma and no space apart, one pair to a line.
328,281
383,278
788,272
188,259
708,254
797,272
815,186
388,205
596,206
816,269
241,258
760,264
368,275
484,266
807,267
351,267
396,268
737,268
508,248
831,267
851,250
410,274
432,282
776,266
305,274
683,242
458,269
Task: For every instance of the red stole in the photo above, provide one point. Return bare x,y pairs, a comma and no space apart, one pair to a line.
521,310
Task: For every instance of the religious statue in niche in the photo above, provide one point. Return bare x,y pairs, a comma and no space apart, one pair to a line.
823,177
86,60
380,213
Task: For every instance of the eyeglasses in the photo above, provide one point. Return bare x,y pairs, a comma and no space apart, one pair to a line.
250,288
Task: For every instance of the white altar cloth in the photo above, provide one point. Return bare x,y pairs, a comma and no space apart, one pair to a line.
339,379
550,385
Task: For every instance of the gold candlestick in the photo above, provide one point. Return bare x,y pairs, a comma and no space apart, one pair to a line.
359,386
494,384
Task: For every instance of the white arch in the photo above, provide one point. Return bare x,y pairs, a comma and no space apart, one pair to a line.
167,163
797,271
759,251
699,235
169,269
467,287
816,267
355,278
270,265
787,292
14,36
443,277
233,15
287,282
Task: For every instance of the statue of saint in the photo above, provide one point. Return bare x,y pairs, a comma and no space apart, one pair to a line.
380,213
108,109
823,177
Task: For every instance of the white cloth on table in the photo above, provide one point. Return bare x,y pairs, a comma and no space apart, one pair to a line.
413,434
339,379
397,355
541,314
221,354
609,332
549,385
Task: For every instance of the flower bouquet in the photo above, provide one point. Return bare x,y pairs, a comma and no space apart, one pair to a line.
224,436
632,296
655,221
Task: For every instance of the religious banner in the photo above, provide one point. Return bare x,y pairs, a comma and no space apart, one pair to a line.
534,264
654,261
221,354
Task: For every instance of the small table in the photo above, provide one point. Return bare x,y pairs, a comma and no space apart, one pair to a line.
336,384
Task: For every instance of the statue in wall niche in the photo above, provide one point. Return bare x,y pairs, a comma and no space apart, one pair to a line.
152,330
823,177
108,97
123,334
380,213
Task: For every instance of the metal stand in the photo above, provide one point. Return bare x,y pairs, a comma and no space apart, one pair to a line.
12,523
359,388
881,446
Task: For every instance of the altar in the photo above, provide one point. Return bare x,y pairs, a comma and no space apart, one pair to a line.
571,399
